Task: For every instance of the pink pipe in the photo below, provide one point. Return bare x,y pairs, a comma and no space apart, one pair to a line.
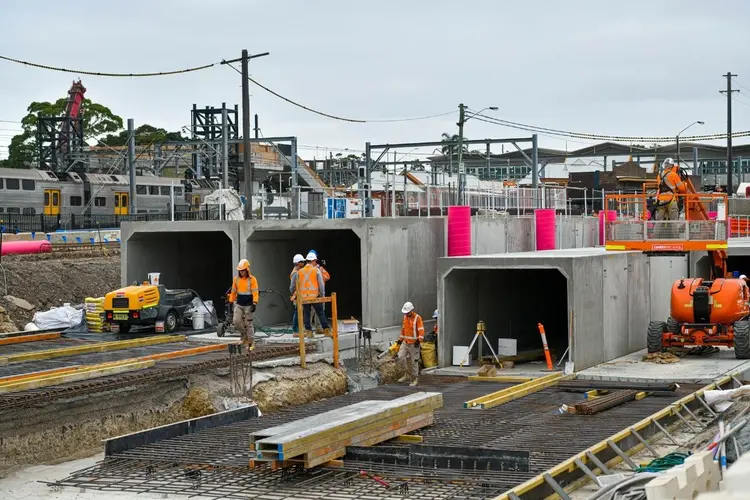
26,247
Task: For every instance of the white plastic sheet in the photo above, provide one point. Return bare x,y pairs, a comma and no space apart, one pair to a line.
207,308
231,200
713,397
58,317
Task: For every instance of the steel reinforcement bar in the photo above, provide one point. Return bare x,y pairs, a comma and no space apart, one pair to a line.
579,469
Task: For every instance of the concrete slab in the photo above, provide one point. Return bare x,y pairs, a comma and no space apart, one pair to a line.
690,369
524,370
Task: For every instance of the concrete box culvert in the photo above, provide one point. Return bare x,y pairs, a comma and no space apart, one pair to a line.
197,255
604,297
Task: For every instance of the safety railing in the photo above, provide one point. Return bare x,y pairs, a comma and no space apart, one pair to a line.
635,222
300,302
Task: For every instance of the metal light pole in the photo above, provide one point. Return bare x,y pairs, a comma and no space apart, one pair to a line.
461,170
677,138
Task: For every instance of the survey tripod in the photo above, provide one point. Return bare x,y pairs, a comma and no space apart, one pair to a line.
481,329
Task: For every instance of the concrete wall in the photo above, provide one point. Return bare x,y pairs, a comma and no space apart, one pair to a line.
664,271
607,302
517,234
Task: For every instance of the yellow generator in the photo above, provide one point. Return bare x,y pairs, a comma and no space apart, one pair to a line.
144,305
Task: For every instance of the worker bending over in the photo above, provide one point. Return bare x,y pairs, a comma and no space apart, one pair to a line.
299,262
671,184
312,257
412,333
244,296
308,282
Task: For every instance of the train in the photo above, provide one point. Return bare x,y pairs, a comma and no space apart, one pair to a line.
36,192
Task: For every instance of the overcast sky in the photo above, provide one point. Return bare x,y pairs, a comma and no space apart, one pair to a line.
643,67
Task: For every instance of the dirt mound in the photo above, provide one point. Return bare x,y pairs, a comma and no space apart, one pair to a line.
6,325
50,281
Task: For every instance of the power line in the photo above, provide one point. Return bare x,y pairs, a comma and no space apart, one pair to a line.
734,79
335,117
101,73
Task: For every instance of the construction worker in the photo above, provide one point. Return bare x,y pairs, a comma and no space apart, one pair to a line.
309,283
299,262
412,333
326,276
244,296
667,203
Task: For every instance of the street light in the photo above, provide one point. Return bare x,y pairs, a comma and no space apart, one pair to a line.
461,120
677,139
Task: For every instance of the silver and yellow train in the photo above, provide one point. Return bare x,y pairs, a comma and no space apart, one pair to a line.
34,192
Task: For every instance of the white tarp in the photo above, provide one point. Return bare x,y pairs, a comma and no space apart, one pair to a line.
205,307
230,198
58,317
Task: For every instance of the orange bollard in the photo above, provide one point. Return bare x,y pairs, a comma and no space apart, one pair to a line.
546,349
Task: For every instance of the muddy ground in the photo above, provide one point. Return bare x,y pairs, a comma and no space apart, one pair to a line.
50,280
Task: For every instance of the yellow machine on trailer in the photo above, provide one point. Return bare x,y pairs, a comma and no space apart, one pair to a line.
145,305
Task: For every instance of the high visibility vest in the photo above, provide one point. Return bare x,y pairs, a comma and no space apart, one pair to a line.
307,282
670,184
244,291
412,329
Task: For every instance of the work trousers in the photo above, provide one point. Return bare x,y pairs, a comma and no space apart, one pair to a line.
668,212
409,353
243,322
307,310
294,319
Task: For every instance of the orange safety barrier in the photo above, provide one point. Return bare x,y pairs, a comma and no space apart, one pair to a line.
35,337
547,356
301,327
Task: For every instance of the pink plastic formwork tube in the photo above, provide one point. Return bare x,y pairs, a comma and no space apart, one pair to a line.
611,215
459,231
545,220
26,247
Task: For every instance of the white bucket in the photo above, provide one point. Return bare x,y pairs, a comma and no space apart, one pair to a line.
199,322
153,278
459,353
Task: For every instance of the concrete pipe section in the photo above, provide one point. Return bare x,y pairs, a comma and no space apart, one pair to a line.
594,302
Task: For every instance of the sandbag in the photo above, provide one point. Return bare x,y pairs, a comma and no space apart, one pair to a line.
428,353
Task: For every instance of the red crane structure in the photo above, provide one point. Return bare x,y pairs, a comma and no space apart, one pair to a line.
60,138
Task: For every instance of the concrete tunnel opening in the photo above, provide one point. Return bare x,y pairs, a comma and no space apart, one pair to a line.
200,261
511,302
271,251
735,263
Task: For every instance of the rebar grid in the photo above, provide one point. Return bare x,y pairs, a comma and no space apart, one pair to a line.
214,463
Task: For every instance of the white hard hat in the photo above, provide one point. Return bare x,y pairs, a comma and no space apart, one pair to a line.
311,256
668,162
743,277
408,307
435,314
298,258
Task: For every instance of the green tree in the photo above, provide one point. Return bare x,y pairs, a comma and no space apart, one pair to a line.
144,135
97,121
448,140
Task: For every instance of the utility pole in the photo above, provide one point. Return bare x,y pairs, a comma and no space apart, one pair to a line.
131,166
246,164
461,120
256,129
729,93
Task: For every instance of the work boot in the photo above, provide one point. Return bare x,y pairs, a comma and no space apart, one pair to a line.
327,332
319,331
405,378
309,334
295,335
414,382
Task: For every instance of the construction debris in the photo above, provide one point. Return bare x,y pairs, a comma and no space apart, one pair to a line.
318,439
596,405
662,358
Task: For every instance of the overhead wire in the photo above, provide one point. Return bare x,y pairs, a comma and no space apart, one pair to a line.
734,79
108,74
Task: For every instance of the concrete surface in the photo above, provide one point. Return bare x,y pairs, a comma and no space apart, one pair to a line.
690,369
602,295
533,369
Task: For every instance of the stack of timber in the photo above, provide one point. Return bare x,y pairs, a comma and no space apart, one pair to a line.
607,385
594,406
321,438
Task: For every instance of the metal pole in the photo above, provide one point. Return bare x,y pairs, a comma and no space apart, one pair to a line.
488,161
364,187
534,171
257,129
171,199
729,92
696,168
131,165
246,165
460,154
225,146
295,168
677,146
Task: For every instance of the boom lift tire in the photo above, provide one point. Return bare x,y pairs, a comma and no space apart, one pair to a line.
220,330
672,325
656,330
742,339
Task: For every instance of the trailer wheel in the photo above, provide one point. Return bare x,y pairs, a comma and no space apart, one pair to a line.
170,322
656,330
220,330
124,328
742,339
672,325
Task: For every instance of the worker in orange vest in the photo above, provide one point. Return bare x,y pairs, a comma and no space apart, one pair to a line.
671,184
299,262
412,333
308,282
244,296
326,276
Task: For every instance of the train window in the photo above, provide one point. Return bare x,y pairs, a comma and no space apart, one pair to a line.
100,201
12,184
153,190
165,190
29,211
1,183
55,199
117,200
28,185
2,210
46,198
13,210
141,189
178,191
76,201
113,177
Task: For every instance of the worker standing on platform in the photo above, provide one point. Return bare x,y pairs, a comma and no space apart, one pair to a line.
326,276
308,282
299,262
244,296
412,334
667,203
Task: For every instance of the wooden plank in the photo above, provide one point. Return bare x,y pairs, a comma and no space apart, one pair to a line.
408,438
513,379
89,348
349,420
74,377
515,392
39,374
36,337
